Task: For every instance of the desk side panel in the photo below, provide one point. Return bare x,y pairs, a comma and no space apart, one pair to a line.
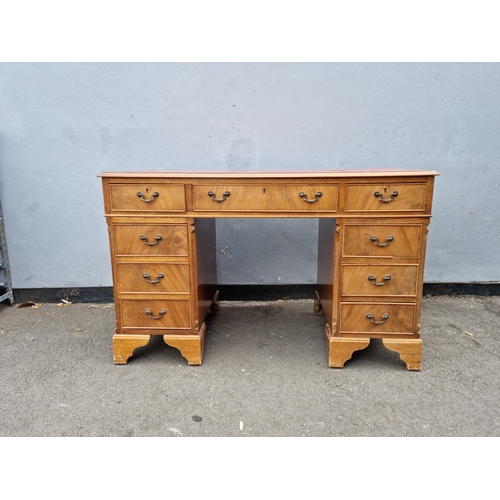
112,251
205,281
326,258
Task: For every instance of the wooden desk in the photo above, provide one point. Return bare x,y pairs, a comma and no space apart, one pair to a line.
371,250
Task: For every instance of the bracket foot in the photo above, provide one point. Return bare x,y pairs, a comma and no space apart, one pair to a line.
190,346
125,345
340,350
409,350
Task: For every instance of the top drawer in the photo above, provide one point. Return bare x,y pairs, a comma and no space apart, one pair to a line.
403,197
146,197
265,197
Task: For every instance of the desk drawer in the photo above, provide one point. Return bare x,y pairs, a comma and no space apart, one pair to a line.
382,240
377,318
144,197
151,239
166,277
266,197
379,280
385,197
155,314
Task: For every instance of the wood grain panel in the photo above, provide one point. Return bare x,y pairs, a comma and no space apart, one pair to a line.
402,282
173,239
405,242
170,197
266,197
353,318
134,316
409,198
131,277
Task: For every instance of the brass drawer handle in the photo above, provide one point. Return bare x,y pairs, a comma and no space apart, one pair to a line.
160,314
384,318
303,195
379,195
153,282
219,200
374,280
153,197
387,241
146,242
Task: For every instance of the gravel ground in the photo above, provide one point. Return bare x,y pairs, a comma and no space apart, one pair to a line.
265,373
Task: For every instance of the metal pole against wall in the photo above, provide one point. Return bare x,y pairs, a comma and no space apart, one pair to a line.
5,279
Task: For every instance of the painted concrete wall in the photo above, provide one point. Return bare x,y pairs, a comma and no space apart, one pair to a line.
62,124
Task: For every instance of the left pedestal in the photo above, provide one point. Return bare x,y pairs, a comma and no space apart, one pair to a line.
163,263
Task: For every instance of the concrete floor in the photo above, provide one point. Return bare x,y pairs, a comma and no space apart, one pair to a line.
264,373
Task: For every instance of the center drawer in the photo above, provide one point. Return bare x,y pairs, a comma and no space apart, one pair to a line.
265,197
379,280
165,277
160,240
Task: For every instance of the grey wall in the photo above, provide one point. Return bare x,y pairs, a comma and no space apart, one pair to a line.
62,124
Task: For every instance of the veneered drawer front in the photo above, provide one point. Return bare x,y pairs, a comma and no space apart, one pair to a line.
151,239
375,318
155,314
266,197
153,277
383,280
382,240
382,197
145,197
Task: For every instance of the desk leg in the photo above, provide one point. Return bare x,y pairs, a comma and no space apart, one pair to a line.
318,308
340,350
125,345
215,306
190,346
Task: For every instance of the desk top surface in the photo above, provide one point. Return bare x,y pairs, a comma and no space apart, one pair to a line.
270,174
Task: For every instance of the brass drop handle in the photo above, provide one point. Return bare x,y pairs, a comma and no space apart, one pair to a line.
160,314
303,195
379,195
387,241
155,242
153,282
153,197
384,318
374,280
219,200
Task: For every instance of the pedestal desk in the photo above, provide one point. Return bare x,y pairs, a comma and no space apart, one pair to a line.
371,249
